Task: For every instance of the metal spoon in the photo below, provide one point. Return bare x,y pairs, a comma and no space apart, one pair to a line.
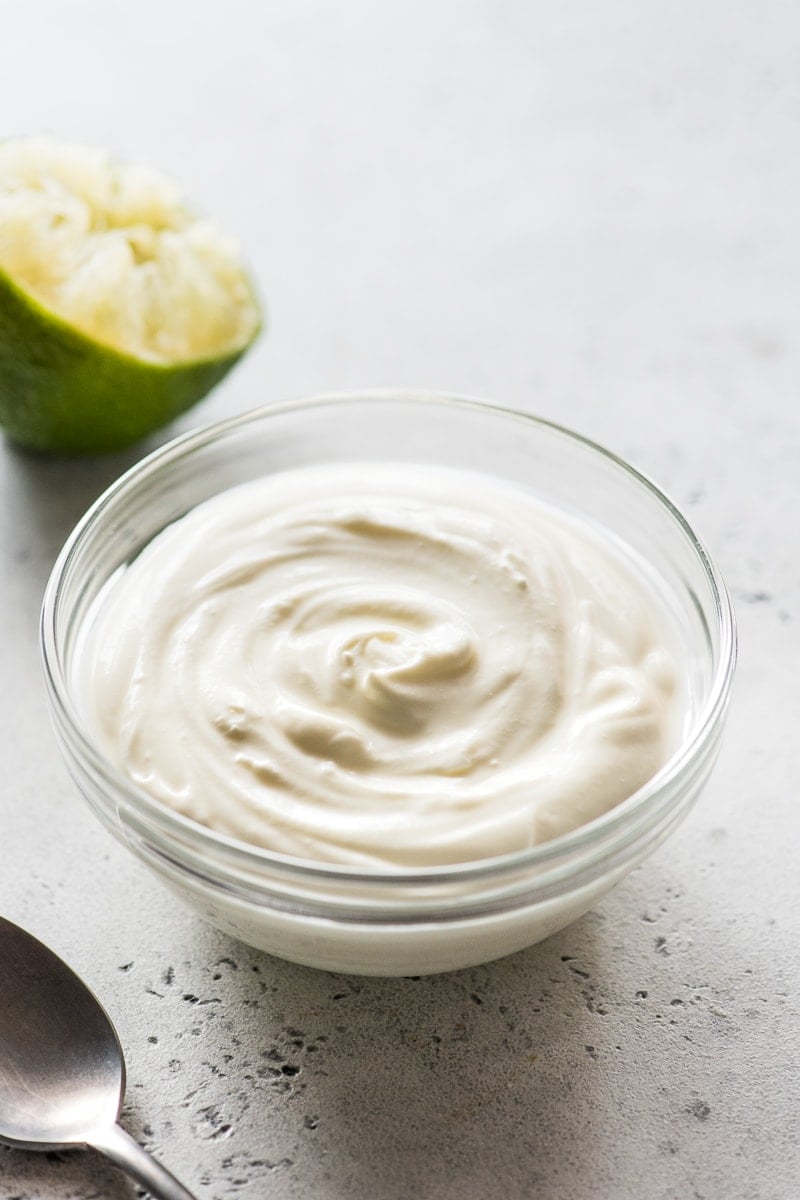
62,1074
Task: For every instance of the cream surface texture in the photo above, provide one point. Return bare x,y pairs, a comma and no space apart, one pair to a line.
382,665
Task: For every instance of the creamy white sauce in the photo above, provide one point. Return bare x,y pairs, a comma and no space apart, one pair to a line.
382,665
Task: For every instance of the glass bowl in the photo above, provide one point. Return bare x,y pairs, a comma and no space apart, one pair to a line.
400,922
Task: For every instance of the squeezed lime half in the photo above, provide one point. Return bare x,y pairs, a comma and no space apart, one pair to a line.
119,307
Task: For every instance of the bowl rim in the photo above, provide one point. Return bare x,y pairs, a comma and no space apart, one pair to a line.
591,840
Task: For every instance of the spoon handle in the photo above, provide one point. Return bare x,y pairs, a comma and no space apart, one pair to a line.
121,1148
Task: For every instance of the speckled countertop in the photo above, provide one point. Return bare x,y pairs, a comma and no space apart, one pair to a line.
589,211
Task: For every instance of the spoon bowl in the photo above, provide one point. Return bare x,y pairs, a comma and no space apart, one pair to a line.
62,1071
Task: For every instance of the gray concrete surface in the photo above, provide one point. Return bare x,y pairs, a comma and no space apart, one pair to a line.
588,210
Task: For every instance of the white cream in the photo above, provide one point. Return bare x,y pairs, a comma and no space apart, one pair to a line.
382,665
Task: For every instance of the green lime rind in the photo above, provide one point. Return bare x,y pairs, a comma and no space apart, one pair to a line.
63,392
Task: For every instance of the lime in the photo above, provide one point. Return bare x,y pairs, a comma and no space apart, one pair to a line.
119,308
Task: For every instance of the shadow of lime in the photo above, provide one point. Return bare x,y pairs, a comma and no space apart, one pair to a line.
44,497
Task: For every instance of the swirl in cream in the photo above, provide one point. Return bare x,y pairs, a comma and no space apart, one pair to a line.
382,665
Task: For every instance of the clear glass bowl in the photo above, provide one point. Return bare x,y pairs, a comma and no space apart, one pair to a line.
399,923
